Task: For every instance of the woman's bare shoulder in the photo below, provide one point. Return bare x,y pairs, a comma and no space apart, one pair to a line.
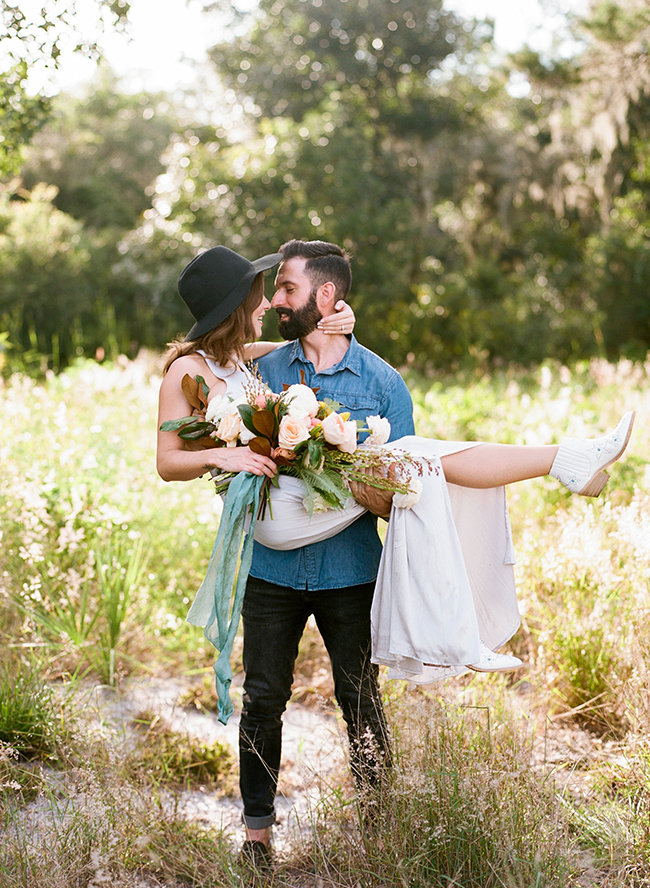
194,364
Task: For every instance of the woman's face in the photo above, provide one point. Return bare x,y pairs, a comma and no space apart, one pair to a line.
258,316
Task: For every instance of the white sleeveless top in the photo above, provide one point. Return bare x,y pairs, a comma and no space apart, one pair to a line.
234,377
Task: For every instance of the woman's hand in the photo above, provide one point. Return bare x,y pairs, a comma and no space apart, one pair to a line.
341,322
241,459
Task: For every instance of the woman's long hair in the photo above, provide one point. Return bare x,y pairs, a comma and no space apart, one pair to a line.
225,342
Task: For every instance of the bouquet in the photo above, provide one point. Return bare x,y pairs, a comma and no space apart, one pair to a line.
308,439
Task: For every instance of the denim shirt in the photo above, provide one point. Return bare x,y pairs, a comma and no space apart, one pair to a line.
365,385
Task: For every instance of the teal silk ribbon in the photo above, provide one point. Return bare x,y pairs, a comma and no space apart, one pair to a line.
212,605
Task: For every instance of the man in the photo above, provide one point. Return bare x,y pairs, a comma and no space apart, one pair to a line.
334,579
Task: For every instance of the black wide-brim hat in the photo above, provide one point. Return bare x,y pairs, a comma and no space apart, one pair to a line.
216,282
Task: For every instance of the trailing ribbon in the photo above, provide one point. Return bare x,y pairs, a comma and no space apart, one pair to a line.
212,606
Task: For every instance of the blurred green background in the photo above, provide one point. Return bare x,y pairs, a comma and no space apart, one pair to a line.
496,206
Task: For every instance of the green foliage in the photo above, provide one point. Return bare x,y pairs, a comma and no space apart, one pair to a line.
31,37
21,115
102,151
377,54
449,815
473,798
30,717
171,759
590,669
47,282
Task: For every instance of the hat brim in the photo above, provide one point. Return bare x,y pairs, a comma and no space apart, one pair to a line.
266,262
234,298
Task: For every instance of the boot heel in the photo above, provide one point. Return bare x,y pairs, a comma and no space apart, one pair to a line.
595,485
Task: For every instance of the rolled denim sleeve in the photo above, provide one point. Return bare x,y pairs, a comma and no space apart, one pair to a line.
398,409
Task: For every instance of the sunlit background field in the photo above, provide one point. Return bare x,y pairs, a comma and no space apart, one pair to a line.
538,778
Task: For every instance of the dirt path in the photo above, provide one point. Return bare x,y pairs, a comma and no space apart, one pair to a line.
313,751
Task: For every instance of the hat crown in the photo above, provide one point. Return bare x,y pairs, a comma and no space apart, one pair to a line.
216,282
208,280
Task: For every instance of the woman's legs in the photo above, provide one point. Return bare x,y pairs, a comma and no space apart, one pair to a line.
578,463
494,465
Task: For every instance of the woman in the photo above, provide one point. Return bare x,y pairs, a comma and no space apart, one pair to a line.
229,320
455,540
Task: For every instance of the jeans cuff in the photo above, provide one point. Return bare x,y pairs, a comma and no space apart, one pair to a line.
258,822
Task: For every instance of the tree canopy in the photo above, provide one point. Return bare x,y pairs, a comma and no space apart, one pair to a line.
485,226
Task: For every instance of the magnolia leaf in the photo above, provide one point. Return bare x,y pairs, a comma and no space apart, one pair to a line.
264,423
283,461
204,390
195,431
173,425
247,412
261,446
192,390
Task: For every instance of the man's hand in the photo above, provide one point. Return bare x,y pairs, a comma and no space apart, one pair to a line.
374,499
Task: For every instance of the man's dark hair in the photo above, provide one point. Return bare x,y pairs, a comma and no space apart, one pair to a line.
325,262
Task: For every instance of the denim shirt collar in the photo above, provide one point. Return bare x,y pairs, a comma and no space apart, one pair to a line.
351,360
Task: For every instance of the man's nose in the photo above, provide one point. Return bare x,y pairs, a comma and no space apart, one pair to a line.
277,300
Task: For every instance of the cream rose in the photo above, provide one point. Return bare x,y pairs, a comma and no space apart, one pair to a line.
229,428
349,442
301,401
379,430
293,431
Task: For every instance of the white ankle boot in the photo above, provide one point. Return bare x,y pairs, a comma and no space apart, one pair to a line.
580,462
490,661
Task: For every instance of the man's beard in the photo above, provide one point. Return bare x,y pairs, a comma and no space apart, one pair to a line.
296,324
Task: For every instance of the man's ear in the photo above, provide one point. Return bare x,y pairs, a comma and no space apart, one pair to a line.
326,298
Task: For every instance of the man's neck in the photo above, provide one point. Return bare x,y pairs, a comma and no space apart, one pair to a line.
324,350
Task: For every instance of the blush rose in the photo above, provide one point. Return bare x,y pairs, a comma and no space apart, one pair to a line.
292,432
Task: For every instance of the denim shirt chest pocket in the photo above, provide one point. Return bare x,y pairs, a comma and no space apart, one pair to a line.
359,403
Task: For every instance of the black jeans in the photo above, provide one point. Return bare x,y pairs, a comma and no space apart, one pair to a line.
274,618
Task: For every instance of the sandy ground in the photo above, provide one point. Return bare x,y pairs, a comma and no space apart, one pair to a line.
314,750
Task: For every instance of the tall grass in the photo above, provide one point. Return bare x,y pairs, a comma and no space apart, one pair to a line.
99,561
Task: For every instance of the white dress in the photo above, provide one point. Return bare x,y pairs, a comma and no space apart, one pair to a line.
446,574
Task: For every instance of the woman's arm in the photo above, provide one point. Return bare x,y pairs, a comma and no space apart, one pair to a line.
175,460
332,324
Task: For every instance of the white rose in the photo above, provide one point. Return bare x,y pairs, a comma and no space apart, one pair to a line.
411,497
349,442
301,401
292,432
220,405
379,430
